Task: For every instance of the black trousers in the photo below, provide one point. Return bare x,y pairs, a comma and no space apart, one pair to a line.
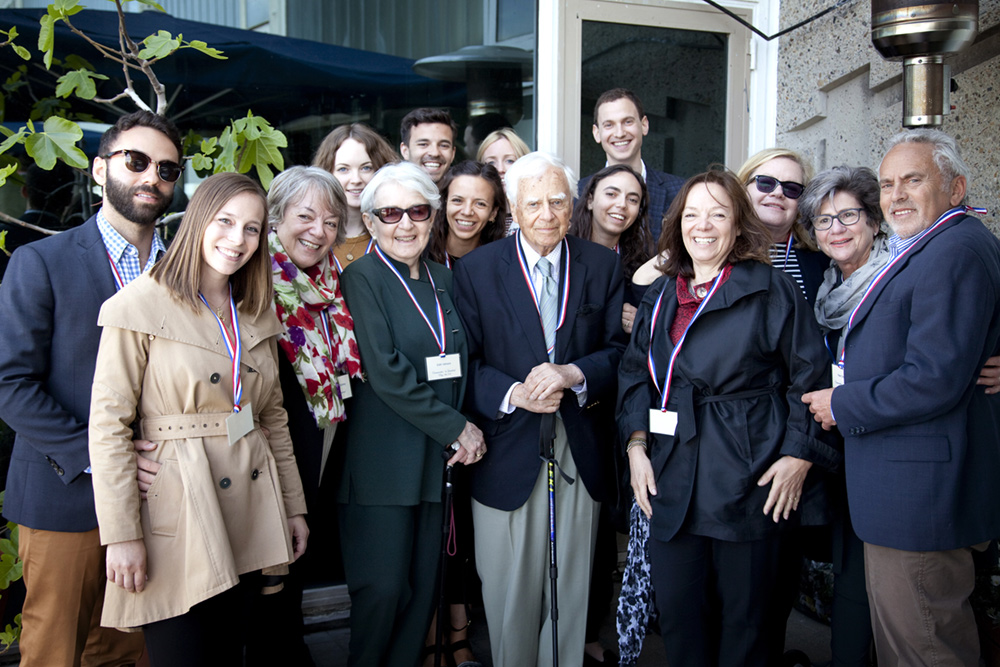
712,596
211,634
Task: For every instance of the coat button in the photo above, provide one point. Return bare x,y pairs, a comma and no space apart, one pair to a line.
225,483
255,474
215,378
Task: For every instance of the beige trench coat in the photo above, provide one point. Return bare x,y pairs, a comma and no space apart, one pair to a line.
214,511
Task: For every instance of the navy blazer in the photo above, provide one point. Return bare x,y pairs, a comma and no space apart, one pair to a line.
662,188
921,439
506,341
50,298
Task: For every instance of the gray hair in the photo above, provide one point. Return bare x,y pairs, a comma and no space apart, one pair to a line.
403,174
533,165
860,182
292,185
945,152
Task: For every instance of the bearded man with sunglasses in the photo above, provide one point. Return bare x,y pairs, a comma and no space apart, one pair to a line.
50,298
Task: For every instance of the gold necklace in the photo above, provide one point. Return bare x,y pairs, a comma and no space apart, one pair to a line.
351,245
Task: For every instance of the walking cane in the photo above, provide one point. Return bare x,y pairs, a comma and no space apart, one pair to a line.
547,436
443,611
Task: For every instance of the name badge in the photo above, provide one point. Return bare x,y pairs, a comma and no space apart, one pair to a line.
239,424
344,382
444,368
662,422
838,375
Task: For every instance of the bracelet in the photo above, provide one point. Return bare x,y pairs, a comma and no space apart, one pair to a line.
635,442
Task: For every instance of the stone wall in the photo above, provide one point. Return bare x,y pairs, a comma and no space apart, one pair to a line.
839,101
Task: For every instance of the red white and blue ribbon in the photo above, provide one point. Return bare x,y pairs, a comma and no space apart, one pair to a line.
665,392
531,286
439,336
340,269
788,248
114,272
233,346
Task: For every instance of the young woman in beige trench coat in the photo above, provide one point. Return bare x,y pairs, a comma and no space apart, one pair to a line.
218,512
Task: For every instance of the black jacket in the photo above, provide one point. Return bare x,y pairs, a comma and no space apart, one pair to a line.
737,388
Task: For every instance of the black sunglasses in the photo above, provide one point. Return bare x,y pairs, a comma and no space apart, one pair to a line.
390,215
138,162
791,189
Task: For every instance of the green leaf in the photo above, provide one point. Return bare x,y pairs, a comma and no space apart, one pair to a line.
209,145
150,3
73,61
81,81
201,162
13,138
10,570
159,45
206,49
22,52
48,106
226,159
3,234
4,173
66,7
58,141
46,38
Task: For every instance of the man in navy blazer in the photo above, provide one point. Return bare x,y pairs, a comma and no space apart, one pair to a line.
921,451
619,126
50,298
514,381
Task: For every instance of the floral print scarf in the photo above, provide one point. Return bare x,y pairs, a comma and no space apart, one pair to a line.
301,297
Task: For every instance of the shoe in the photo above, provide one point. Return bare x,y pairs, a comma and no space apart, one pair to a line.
611,659
459,645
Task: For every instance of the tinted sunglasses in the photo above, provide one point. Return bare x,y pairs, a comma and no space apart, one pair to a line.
138,162
390,215
791,189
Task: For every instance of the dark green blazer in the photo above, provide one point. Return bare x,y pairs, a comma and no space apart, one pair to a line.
398,423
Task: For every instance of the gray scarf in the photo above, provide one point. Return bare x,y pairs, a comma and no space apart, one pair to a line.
835,302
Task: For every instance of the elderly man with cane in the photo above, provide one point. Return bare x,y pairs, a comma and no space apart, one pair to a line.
542,315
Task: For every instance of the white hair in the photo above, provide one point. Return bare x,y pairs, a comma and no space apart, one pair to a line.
404,174
533,165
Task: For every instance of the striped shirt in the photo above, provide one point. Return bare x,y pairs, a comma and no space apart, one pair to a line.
791,267
125,255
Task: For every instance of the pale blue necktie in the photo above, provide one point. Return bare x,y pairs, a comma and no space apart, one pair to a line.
548,304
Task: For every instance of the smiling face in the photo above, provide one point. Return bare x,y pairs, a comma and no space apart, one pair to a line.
137,198
544,205
619,131
773,208
914,193
849,246
469,206
500,154
231,238
708,229
308,230
405,240
353,168
615,207
431,147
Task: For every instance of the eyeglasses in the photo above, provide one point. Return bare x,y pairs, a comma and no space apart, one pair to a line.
138,162
390,215
791,189
847,217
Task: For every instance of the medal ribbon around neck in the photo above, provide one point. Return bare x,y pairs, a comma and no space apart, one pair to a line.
531,286
439,337
945,217
233,347
114,272
665,392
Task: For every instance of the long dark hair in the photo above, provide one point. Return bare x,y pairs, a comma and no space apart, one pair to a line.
753,240
437,249
635,243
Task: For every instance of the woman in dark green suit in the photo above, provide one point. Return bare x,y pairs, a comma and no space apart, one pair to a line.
405,417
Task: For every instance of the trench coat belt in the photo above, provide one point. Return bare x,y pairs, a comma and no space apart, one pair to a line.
686,401
178,427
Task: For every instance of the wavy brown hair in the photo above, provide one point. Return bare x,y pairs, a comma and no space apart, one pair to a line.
379,150
635,243
437,249
181,267
752,241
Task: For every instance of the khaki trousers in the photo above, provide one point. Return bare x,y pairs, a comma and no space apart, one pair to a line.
920,606
512,557
64,574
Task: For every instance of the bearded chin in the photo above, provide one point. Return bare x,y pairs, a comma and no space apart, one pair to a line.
122,199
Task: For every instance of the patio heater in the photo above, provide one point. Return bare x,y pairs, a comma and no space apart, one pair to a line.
921,34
